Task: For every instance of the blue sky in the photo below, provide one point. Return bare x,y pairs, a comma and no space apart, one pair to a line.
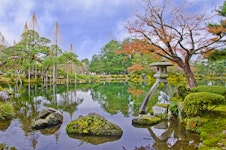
87,24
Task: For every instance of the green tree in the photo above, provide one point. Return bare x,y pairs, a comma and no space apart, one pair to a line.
110,60
96,64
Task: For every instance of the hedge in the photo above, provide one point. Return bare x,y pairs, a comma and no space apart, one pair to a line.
197,103
210,88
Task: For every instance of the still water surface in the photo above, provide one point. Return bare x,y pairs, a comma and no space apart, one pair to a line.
117,102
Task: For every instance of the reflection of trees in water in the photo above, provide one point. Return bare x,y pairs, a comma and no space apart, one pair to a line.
95,140
114,98
25,106
4,125
172,134
29,100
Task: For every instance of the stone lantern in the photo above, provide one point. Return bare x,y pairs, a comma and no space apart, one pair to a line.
161,77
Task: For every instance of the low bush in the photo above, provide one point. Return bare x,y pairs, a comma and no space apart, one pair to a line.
210,88
200,102
174,107
182,91
6,111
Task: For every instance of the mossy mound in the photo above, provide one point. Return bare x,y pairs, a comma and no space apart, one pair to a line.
146,120
6,111
196,104
93,124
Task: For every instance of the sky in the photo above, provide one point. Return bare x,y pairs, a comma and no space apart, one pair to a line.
86,24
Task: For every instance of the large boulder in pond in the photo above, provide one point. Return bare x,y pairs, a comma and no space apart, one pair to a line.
48,118
4,96
93,124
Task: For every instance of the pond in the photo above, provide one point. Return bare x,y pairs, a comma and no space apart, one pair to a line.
117,102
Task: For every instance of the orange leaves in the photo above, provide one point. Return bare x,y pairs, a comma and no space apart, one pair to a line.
135,67
217,29
208,54
135,92
142,47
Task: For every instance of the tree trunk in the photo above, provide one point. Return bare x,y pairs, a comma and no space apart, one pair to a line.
189,75
54,73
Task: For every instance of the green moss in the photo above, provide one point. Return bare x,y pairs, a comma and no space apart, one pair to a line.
195,124
209,148
211,128
93,124
6,111
163,116
204,135
151,111
162,105
146,120
175,99
211,142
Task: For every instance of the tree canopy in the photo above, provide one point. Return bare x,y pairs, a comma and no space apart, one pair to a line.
170,31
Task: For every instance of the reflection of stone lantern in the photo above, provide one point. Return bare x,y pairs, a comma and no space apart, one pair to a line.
161,76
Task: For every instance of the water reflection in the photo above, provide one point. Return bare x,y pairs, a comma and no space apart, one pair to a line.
4,125
117,102
94,140
173,135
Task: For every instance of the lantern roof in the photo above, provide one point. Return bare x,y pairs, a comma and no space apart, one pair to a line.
161,63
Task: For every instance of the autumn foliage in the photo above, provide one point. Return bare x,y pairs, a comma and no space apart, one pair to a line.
171,31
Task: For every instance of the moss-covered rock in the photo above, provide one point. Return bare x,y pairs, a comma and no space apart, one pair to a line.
93,124
146,120
4,96
6,111
160,109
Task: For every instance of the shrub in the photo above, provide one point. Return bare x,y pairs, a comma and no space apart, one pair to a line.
210,88
197,103
182,91
174,107
6,111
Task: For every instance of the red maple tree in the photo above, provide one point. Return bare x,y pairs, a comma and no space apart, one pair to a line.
169,30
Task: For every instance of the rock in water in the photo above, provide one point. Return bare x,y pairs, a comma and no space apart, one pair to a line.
48,118
146,120
93,124
4,95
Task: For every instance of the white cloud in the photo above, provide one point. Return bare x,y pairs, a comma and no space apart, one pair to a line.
14,14
97,20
